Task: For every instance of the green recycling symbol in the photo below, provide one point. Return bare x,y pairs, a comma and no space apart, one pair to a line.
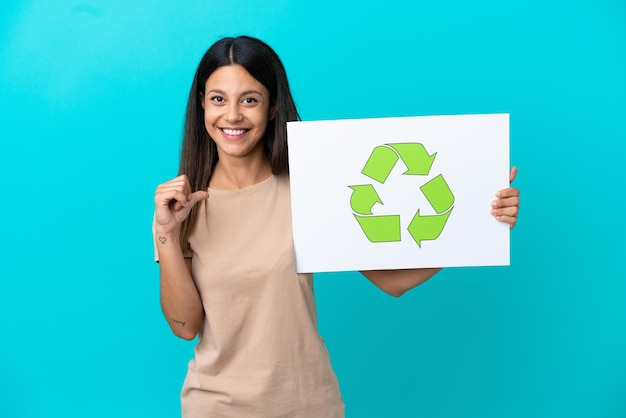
386,228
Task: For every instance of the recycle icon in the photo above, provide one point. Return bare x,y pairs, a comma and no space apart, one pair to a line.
386,228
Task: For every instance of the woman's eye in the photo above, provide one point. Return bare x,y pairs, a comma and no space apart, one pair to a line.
217,99
249,100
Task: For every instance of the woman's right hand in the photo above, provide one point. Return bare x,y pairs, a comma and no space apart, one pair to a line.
173,201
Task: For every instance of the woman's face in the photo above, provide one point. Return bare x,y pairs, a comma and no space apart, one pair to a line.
236,111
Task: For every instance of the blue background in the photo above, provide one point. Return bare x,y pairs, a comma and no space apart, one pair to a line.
92,96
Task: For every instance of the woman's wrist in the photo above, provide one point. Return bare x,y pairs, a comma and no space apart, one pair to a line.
165,236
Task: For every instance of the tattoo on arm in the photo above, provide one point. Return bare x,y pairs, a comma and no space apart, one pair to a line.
176,321
162,239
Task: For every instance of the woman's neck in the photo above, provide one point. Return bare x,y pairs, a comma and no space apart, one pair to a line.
234,175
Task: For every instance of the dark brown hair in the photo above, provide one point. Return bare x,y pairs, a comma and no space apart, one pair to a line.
199,152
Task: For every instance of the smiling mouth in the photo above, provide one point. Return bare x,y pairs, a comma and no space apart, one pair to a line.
234,132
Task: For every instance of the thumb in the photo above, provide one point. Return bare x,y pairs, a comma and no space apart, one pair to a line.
512,174
192,199
196,197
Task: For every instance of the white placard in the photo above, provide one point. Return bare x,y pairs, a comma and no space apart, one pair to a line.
393,193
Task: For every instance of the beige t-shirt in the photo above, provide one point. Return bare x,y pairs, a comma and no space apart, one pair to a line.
259,353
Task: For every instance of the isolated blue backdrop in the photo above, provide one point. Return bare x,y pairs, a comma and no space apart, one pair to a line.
91,105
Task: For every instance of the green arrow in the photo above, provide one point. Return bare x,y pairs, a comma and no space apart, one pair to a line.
426,228
438,194
380,228
415,158
380,163
363,198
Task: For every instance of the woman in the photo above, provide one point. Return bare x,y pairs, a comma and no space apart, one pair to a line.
225,249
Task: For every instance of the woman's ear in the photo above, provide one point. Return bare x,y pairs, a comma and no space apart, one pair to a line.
273,112
201,99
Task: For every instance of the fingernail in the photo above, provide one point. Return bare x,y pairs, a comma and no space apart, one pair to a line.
493,204
493,212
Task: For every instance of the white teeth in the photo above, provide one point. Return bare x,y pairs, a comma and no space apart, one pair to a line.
234,131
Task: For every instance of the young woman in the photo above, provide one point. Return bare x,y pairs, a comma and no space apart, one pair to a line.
224,244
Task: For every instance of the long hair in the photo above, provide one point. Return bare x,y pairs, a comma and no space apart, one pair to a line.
199,152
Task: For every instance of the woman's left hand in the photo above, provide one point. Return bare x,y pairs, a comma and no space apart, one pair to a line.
506,206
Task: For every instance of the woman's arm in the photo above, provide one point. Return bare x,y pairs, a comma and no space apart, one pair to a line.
397,282
180,299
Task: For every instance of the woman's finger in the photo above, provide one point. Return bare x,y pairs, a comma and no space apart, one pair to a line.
506,211
508,192
512,174
505,202
511,220
165,198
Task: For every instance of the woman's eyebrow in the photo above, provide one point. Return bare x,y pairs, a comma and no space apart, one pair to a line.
218,91
252,92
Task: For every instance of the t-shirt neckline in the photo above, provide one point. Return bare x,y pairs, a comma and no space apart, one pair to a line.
260,185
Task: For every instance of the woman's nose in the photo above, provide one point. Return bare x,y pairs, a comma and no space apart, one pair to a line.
233,113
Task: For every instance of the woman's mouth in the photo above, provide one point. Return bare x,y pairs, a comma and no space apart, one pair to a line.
233,132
